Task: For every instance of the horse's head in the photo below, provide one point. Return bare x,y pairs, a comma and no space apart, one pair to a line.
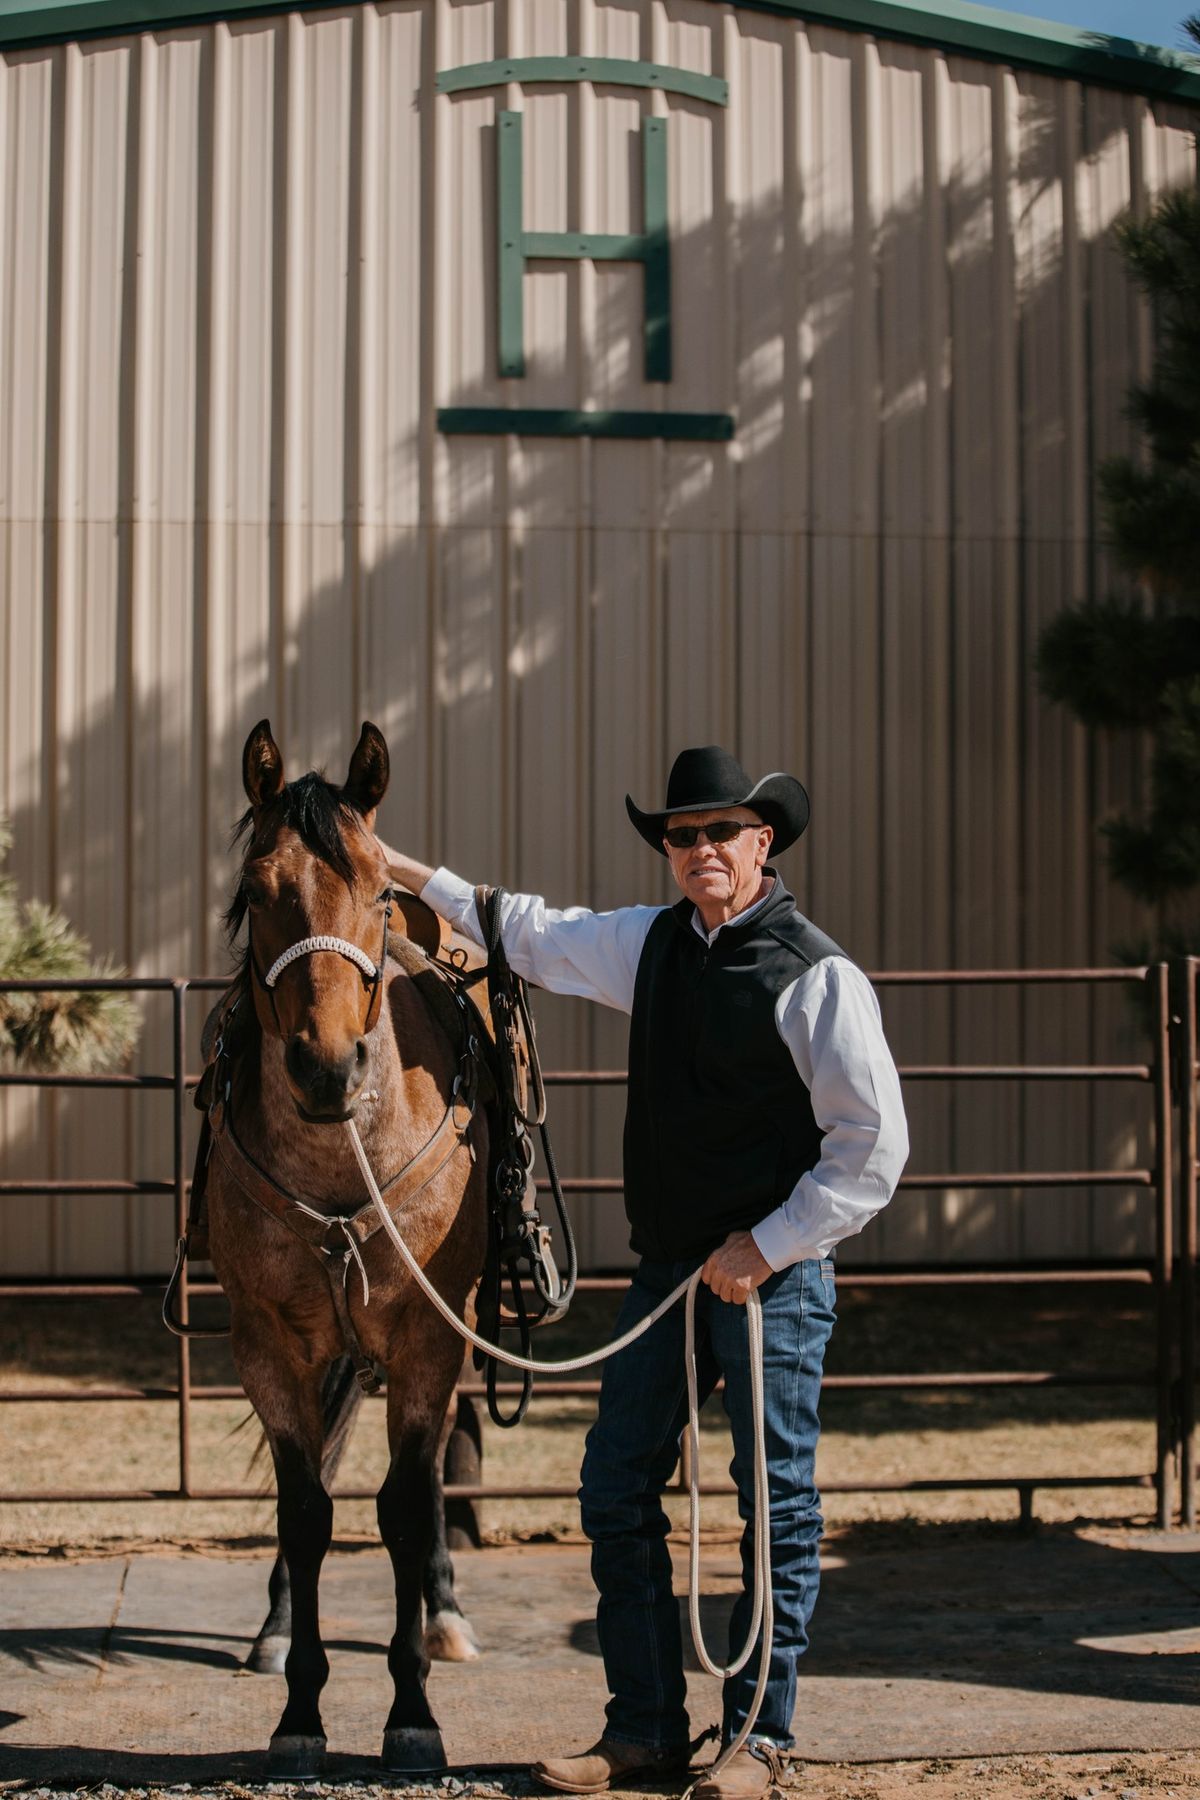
312,869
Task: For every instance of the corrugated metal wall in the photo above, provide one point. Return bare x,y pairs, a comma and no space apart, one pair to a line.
245,263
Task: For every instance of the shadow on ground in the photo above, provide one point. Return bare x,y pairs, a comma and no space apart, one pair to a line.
930,1640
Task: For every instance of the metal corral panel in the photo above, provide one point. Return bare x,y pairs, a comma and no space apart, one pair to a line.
245,265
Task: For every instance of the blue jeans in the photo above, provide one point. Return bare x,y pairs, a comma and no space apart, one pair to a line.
631,1453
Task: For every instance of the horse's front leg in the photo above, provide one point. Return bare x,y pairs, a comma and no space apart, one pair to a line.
418,1390
340,1397
286,1394
305,1514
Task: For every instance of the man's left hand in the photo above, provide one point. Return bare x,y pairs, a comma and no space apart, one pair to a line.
736,1268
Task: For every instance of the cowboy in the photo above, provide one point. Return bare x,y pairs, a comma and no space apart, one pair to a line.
764,1124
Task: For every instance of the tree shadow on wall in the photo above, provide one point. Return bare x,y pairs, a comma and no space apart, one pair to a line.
533,649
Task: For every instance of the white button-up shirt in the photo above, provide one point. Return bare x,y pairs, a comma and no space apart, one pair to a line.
828,1018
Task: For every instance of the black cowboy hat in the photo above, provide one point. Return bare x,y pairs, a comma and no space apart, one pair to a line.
701,780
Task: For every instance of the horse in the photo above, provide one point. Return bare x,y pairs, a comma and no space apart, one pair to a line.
320,1027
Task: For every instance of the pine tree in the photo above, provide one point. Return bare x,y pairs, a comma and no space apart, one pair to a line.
69,1032
1132,663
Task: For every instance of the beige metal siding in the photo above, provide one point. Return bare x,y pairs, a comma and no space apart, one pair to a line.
242,266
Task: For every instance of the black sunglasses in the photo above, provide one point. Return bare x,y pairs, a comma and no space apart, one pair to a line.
721,831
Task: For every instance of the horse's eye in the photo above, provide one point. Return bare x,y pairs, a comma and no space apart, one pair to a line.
387,894
253,894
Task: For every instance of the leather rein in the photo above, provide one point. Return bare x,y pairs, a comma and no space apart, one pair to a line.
520,1255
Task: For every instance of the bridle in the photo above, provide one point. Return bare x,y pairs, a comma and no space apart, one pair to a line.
371,972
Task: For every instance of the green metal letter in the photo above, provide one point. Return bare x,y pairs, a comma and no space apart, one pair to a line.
516,247
510,261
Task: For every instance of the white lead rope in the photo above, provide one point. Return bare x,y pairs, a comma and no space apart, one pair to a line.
764,1612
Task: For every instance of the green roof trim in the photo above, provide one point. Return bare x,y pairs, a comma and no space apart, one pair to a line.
952,25
1041,44
25,23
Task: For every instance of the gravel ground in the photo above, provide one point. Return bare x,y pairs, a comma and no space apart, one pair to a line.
1123,1776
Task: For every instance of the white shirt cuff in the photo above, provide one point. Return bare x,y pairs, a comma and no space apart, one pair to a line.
454,900
778,1243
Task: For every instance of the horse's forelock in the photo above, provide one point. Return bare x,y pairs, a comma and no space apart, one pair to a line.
315,810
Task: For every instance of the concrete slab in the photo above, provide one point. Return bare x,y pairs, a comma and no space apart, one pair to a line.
45,1623
963,1641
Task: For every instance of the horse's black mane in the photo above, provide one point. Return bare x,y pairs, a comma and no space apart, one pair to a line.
316,810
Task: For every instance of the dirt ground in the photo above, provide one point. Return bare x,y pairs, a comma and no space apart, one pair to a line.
891,1435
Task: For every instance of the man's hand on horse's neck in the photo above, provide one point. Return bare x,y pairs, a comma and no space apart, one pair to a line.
410,874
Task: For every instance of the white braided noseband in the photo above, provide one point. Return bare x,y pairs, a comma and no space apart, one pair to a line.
351,951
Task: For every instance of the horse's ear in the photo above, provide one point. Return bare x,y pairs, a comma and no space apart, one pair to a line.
262,765
370,766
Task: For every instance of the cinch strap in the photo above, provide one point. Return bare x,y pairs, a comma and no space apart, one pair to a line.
351,952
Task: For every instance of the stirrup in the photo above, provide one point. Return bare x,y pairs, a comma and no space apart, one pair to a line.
170,1305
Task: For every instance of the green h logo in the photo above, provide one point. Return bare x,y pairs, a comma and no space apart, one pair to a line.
517,248
651,248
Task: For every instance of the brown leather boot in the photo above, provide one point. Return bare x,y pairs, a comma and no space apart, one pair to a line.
608,1762
750,1775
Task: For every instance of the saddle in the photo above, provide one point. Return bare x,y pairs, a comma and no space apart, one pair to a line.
497,1070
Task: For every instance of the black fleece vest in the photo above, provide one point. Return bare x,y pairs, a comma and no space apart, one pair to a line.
719,1126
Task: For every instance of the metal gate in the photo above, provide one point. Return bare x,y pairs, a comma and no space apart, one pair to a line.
1172,1073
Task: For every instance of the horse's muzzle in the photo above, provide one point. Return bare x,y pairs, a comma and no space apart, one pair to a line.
324,1087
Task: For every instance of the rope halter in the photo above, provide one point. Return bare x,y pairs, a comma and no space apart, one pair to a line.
372,972
352,952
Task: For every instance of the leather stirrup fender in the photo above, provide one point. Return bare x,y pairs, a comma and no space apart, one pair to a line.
194,1242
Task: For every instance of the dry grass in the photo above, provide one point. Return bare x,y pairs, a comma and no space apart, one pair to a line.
884,1435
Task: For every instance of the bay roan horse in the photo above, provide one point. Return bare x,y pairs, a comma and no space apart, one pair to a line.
318,1047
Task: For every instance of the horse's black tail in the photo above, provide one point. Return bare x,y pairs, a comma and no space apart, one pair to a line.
340,1397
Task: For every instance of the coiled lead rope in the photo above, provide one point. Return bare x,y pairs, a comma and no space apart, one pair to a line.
763,1612
764,1605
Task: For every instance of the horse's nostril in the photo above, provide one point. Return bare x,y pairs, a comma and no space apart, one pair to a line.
326,1081
299,1058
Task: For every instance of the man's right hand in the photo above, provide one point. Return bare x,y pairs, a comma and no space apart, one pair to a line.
404,870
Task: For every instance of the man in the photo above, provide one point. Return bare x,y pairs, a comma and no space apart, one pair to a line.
764,1124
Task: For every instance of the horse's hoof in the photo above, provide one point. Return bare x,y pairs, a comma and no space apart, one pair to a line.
295,1756
268,1656
413,1750
449,1638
